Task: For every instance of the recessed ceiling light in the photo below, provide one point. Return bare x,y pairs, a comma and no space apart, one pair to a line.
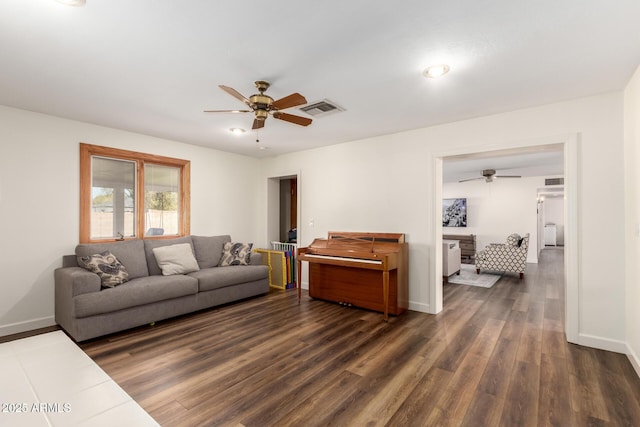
72,2
237,131
436,71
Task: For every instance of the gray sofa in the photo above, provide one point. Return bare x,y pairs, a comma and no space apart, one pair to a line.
84,309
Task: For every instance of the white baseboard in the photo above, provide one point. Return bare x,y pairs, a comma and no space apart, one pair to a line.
418,306
633,358
27,325
602,343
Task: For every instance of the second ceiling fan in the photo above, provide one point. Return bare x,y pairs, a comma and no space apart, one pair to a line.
489,175
263,105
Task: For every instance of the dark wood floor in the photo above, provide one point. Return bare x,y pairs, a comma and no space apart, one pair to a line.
492,357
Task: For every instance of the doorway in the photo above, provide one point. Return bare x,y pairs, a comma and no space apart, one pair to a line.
289,210
283,207
550,217
569,146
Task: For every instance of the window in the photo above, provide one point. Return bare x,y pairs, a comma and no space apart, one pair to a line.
113,184
125,194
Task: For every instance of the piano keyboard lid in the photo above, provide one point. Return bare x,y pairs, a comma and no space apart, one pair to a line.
343,258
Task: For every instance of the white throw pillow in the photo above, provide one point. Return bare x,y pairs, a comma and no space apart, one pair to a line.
176,259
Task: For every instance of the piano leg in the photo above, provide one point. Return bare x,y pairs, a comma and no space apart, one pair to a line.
385,290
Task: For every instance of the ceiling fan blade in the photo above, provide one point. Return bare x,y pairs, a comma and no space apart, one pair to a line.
508,176
228,111
292,100
231,91
471,179
298,120
257,124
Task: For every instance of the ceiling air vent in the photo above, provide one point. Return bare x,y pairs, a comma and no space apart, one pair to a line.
321,108
554,181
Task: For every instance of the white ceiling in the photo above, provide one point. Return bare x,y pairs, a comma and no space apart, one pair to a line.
152,66
547,161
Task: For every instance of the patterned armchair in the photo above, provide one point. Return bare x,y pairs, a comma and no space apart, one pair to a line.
509,257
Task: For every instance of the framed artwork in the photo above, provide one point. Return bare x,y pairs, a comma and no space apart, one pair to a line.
454,212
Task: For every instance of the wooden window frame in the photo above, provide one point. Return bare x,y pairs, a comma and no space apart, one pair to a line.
88,150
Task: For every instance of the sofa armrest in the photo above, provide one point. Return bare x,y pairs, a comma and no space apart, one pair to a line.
70,261
511,251
69,282
73,281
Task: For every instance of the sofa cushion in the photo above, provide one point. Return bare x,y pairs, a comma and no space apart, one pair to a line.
220,277
111,272
136,292
236,254
129,252
208,249
154,268
176,259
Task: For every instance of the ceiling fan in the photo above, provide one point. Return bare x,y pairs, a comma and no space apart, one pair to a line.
489,175
262,105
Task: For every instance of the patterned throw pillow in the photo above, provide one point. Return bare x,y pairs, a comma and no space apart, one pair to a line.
512,239
236,254
112,273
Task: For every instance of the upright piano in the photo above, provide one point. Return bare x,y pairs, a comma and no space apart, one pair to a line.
367,270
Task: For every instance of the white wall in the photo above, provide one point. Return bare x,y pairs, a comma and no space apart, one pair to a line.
632,223
377,184
498,209
385,184
39,162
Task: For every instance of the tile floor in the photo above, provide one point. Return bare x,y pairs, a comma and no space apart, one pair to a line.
47,380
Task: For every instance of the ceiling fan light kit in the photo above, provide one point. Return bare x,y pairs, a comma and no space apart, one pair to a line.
263,105
261,114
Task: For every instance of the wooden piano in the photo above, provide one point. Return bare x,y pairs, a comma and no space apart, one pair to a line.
367,270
